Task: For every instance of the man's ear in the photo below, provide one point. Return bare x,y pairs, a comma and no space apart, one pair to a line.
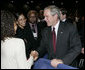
64,15
55,16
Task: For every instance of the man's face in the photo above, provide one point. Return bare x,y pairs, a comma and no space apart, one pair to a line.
49,18
62,17
32,18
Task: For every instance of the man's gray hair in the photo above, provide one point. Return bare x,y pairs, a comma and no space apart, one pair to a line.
54,10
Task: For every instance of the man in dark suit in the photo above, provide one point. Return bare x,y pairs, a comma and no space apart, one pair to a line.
64,45
32,32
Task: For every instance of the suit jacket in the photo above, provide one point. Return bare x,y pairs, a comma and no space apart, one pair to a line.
68,44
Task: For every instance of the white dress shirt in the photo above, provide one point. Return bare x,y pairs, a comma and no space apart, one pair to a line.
36,31
56,27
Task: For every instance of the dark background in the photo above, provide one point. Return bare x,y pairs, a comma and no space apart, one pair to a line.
75,7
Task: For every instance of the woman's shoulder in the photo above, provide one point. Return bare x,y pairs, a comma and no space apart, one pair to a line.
18,39
13,40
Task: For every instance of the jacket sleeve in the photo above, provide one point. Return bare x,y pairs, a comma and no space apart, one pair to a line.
42,49
75,46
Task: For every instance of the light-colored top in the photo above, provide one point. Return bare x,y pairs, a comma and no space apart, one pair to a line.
13,54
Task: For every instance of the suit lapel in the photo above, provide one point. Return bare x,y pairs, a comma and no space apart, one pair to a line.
50,40
60,33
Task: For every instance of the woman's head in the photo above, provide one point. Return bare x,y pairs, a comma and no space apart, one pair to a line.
7,24
21,20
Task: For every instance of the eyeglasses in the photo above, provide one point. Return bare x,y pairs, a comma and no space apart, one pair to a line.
32,17
22,19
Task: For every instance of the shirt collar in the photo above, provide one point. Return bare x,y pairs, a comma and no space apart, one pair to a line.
56,26
64,20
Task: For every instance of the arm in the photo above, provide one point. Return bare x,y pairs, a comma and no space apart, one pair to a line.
41,50
75,46
30,62
22,62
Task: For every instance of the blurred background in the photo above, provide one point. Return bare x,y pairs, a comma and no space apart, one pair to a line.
74,7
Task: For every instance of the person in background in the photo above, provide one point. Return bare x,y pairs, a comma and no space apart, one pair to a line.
41,16
32,31
80,26
12,49
64,17
20,24
61,41
20,27
41,19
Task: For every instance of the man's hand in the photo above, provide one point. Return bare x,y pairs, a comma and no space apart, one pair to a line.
82,50
55,62
34,54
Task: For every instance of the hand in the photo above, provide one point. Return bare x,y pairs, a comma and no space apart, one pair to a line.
34,54
55,62
82,50
15,27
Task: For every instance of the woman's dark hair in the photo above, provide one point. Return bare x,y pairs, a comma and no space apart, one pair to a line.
18,14
64,11
7,24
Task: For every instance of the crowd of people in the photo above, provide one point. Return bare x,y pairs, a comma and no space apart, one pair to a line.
27,39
